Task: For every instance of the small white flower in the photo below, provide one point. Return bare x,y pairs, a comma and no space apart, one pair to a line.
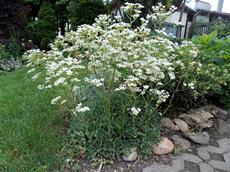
63,101
120,88
172,75
30,71
146,87
59,81
135,111
80,108
35,77
40,87
96,82
54,101
191,85
69,72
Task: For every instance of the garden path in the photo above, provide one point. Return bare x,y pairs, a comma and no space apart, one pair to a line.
206,159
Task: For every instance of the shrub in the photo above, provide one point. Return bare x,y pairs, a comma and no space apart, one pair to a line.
215,53
15,48
3,53
13,17
8,61
85,12
220,26
116,79
44,29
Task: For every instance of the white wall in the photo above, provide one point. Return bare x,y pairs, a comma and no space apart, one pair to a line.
203,6
174,19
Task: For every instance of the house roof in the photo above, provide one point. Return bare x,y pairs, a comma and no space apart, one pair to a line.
222,14
190,9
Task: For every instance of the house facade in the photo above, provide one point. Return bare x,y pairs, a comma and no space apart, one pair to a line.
196,18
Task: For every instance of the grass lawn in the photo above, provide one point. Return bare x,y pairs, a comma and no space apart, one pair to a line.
30,130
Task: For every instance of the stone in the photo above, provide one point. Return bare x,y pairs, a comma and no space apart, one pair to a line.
165,146
206,167
167,123
197,117
228,120
207,124
220,165
130,156
223,127
217,112
205,163
182,142
182,125
191,158
200,138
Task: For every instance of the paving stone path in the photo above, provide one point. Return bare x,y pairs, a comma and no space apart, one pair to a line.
208,159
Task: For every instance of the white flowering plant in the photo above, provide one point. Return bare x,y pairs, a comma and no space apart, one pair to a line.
115,80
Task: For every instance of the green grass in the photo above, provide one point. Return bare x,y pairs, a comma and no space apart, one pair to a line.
30,128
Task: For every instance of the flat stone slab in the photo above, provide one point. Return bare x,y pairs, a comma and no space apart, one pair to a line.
203,160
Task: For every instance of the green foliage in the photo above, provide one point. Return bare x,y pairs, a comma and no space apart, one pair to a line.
222,28
106,134
190,87
44,29
14,48
3,53
85,12
13,15
177,150
30,129
212,48
215,53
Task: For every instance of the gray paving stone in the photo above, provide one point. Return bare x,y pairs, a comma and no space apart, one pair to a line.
227,157
220,165
191,158
203,153
225,142
205,162
219,150
215,156
177,165
204,167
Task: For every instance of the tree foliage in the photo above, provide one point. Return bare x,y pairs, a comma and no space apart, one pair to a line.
85,11
44,29
12,18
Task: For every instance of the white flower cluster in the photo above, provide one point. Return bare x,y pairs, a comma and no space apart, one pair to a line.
132,10
55,100
113,56
159,15
80,108
135,111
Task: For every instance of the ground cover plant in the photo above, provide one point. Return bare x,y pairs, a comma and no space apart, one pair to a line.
118,81
30,129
